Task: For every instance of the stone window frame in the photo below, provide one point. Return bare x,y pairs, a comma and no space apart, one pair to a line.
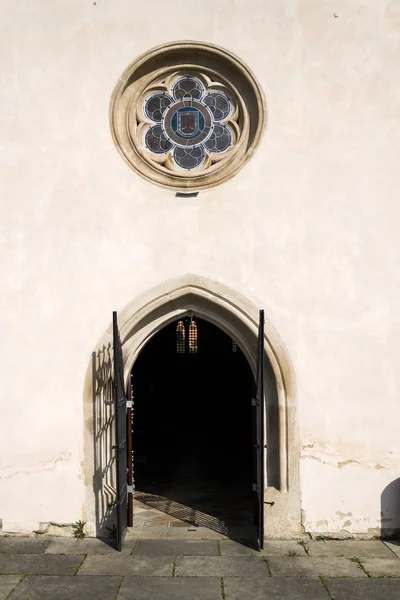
198,59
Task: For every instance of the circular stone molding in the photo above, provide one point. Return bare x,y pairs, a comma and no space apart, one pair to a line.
187,115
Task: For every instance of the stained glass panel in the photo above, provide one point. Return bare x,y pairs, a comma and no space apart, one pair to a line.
189,158
188,123
156,105
187,87
156,141
193,338
219,104
180,338
220,140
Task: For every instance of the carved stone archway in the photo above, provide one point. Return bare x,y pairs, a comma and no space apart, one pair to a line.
238,317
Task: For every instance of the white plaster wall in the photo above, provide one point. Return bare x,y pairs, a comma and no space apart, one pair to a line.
310,226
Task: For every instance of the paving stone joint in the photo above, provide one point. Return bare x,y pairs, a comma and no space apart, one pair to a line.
175,569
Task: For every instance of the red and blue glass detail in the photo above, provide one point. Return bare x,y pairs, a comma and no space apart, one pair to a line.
188,123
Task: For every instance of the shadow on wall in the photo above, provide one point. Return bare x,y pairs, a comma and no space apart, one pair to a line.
390,511
104,481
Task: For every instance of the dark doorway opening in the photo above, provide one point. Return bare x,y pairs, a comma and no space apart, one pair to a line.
193,431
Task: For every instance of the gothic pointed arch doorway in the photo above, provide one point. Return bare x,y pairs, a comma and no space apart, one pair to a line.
238,318
193,439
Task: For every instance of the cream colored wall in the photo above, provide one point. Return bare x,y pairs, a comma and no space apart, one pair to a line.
309,226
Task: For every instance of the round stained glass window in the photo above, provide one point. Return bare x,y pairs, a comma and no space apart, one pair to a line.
187,128
190,124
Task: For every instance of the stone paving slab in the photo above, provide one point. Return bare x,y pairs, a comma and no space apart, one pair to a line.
171,588
38,564
156,566
189,532
199,533
394,547
145,513
7,584
382,567
231,548
23,545
177,547
308,566
149,533
283,548
364,589
162,520
241,532
349,548
275,589
35,587
221,566
174,533
86,546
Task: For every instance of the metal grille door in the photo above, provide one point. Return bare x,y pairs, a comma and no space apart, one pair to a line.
120,437
259,407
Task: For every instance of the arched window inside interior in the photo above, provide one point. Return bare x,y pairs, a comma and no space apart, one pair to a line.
192,337
180,338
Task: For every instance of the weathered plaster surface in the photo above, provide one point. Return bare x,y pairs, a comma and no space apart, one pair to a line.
348,484
309,227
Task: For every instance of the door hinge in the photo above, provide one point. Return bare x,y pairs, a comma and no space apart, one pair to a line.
254,402
129,404
120,447
130,489
255,487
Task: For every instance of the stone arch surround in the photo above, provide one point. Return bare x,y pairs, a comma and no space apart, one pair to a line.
238,317
151,72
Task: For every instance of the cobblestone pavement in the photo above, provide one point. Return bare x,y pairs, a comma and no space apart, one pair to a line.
197,569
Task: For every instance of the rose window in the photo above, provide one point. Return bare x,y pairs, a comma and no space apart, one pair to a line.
187,115
189,123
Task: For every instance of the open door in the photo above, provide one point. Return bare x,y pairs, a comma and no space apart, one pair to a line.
120,401
259,443
130,473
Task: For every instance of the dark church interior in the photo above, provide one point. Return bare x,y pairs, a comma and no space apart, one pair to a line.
192,428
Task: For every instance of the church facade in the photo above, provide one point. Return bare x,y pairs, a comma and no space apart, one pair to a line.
188,167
